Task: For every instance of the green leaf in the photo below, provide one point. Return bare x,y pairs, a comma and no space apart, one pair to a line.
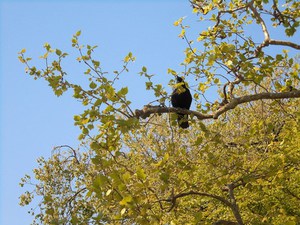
123,91
148,85
164,176
47,46
78,33
50,211
141,174
279,57
77,117
47,198
98,102
74,41
58,52
93,85
126,200
126,176
95,145
21,59
216,80
58,92
100,181
96,63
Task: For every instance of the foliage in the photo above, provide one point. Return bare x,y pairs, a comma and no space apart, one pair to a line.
138,167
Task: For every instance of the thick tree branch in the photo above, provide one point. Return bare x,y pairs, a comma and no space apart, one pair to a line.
225,222
284,43
267,40
260,20
234,102
234,206
173,198
231,204
221,199
249,98
148,110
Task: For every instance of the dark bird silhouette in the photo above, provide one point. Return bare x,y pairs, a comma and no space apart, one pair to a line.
181,98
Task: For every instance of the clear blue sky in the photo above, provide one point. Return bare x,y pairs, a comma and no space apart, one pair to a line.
33,120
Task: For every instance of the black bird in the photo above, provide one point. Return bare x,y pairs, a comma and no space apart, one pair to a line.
181,98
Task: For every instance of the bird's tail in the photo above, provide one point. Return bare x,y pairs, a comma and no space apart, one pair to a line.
182,120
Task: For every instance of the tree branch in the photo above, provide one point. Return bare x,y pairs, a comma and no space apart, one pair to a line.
148,110
249,98
234,206
260,20
173,198
231,204
234,102
267,40
284,43
224,222
69,147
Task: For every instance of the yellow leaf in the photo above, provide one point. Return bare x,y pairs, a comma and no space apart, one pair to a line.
108,192
22,51
126,200
229,63
181,35
195,10
123,211
178,22
44,56
85,121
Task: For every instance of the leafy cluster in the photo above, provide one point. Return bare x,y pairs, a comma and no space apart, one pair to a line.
162,175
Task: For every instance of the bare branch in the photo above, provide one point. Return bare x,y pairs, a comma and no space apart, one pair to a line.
234,206
72,149
148,110
173,198
284,43
249,98
230,85
260,20
224,222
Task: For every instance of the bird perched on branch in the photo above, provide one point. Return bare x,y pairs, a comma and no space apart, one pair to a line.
181,98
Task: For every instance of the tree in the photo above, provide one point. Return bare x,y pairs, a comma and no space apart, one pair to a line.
237,164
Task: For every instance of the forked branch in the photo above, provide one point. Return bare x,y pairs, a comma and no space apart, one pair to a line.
231,204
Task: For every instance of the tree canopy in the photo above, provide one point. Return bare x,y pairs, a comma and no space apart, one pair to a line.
238,163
